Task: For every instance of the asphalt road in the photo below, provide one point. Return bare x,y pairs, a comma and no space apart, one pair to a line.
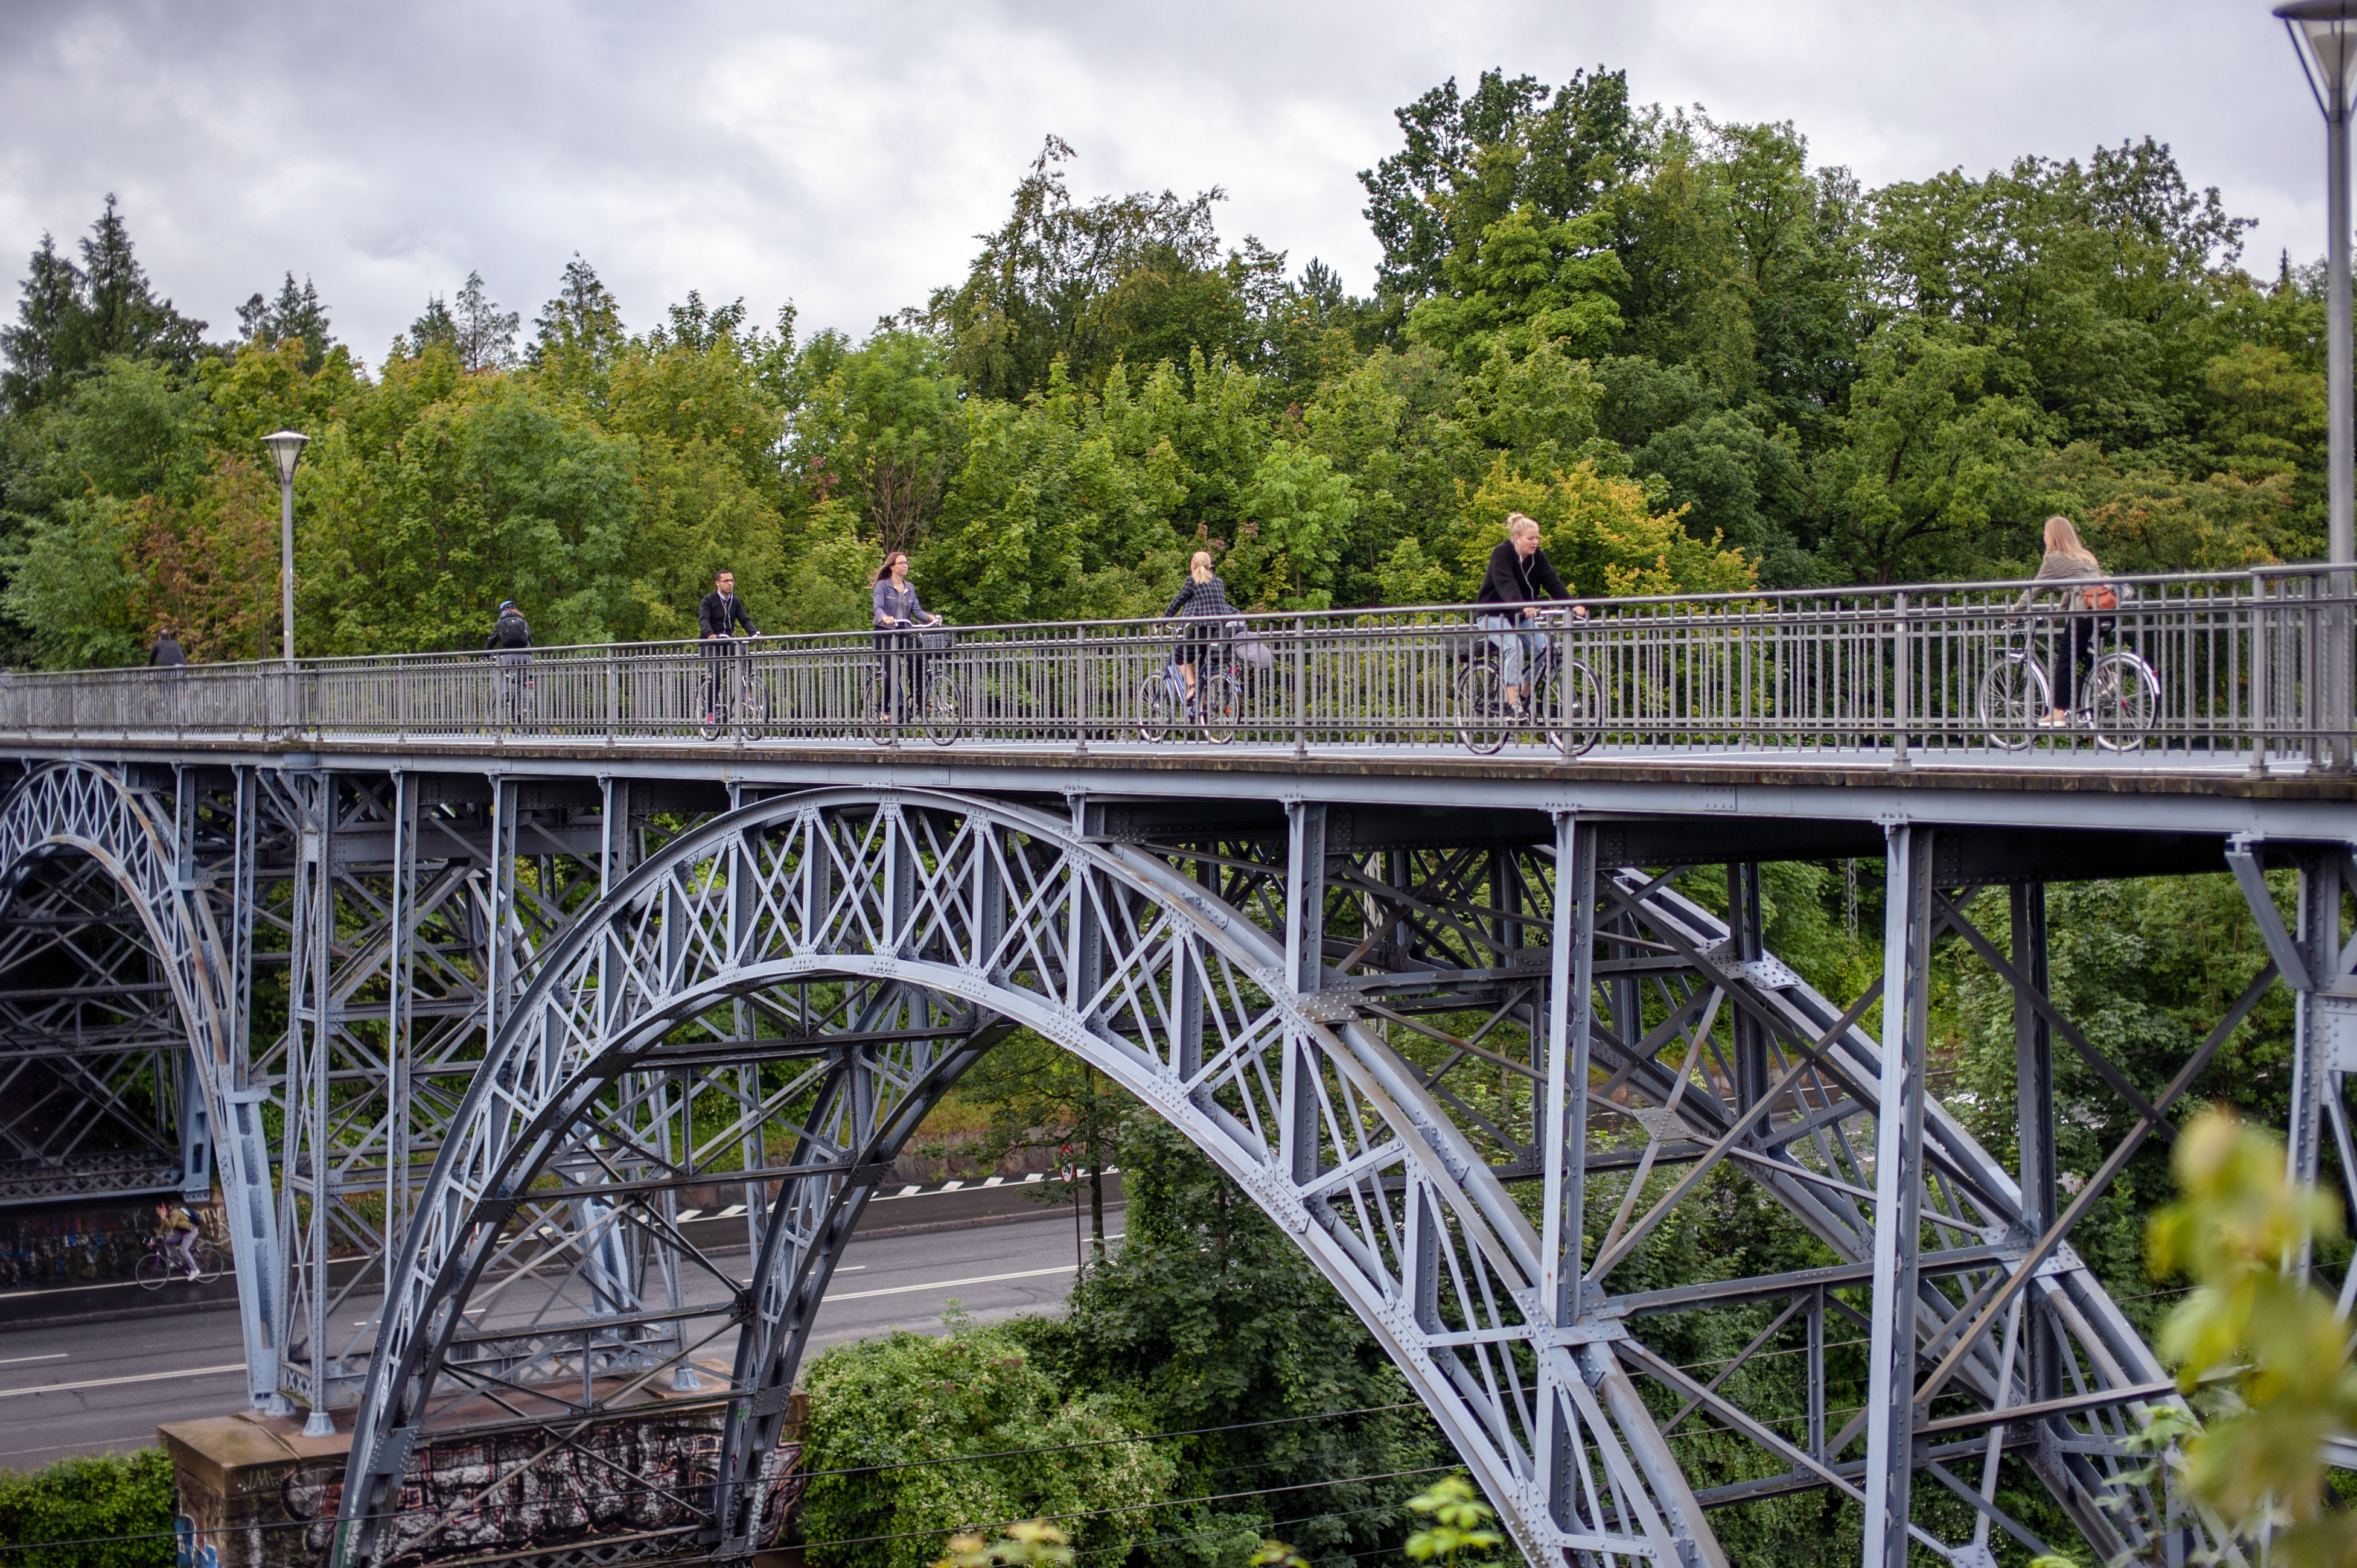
103,1387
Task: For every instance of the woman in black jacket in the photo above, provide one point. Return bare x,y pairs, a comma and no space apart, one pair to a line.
1202,597
1519,578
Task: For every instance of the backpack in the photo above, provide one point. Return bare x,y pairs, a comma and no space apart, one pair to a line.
513,631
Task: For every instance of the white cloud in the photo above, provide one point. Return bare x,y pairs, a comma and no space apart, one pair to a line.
844,157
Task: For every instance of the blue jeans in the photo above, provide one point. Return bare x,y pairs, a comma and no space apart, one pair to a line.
1515,646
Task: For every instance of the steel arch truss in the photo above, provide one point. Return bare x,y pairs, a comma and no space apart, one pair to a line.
770,1004
68,830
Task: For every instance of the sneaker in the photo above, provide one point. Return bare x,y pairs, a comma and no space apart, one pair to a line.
192,1276
2050,721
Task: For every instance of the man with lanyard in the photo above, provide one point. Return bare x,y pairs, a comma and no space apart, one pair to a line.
179,1228
717,620
510,644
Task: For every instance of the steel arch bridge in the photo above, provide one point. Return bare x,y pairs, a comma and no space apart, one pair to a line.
537,1011
876,942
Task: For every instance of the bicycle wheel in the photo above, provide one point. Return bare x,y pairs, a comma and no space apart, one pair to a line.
209,1263
153,1271
1575,711
2120,700
1218,705
2014,696
878,723
1157,709
1483,720
712,726
753,704
943,715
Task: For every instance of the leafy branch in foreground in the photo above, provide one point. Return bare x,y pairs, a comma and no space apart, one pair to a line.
1460,1535
2241,1229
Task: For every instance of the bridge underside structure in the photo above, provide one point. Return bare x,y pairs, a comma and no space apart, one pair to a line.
462,1036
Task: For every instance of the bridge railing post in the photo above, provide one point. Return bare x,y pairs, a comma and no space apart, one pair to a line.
1901,682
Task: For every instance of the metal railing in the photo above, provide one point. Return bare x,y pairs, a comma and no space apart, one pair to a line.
2247,668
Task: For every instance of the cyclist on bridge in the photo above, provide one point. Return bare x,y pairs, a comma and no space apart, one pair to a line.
898,612
176,1226
717,620
2069,561
1202,598
510,644
1519,579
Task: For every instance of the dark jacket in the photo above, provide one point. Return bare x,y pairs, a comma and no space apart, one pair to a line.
1511,580
1209,597
166,653
511,631
721,613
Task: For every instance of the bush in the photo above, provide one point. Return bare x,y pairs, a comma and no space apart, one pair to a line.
83,1499
898,1402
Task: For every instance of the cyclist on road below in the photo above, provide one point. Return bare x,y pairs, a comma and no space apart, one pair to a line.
898,612
2069,561
175,1226
1519,579
717,620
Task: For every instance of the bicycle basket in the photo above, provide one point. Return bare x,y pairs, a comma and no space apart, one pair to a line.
936,641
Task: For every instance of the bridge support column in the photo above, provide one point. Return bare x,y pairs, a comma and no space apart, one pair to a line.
1570,1010
2316,1073
1305,895
1898,1197
2310,959
194,1120
2033,1059
1747,944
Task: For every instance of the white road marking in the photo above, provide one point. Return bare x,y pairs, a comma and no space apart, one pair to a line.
136,1377
53,1356
950,1284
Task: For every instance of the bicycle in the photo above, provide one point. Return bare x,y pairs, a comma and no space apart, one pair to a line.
937,714
2117,702
1216,708
162,1263
515,695
1561,696
744,695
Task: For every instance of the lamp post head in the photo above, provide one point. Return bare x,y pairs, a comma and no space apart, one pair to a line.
2325,33
285,450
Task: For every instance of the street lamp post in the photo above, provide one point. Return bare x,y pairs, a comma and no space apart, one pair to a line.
2324,35
286,450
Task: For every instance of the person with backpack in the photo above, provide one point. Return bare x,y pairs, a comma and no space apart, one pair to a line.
176,1227
510,644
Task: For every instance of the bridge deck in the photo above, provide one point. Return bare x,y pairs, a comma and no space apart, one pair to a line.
2153,791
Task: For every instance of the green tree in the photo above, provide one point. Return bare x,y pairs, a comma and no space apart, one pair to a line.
296,313
1304,508
1210,1316
1522,283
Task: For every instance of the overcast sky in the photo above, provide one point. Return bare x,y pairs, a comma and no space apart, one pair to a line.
844,155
